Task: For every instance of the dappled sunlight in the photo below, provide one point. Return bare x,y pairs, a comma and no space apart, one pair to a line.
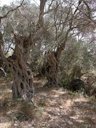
48,64
81,99
55,108
68,105
5,125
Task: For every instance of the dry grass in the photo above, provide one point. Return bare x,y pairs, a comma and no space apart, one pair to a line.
55,108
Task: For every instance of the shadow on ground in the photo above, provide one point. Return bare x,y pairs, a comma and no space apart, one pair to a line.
55,108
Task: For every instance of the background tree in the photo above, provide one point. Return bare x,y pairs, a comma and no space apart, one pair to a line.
68,18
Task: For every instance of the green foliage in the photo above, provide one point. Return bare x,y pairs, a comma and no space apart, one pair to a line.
78,55
22,117
65,83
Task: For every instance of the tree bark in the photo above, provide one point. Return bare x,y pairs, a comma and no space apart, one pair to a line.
41,19
51,69
52,62
22,76
22,86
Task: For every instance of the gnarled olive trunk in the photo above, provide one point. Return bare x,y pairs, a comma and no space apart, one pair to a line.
22,75
51,69
52,61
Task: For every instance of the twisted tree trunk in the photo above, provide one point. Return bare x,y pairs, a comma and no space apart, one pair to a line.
52,60
22,75
51,68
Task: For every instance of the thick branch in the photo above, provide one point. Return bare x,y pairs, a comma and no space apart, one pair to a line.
1,17
41,20
63,43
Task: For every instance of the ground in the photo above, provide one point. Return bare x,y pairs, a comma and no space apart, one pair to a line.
54,108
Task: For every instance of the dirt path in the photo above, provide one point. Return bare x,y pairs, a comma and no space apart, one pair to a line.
55,108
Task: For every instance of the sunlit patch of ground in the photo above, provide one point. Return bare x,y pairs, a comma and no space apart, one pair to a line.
55,108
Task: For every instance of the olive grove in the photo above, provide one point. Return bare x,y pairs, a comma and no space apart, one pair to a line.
51,37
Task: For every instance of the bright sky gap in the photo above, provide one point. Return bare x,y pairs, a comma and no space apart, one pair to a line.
7,2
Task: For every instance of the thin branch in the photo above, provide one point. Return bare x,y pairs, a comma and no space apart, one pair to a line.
88,16
1,17
49,10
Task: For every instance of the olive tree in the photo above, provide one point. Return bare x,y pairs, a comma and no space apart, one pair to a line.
22,39
66,18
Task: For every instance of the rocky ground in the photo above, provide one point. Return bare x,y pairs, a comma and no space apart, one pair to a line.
54,108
